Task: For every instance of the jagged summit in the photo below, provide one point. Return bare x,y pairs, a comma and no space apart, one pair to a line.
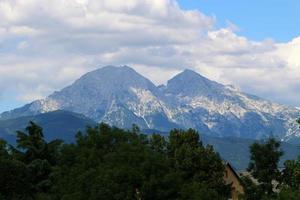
120,96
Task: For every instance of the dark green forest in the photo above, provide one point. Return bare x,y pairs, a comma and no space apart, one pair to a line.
110,163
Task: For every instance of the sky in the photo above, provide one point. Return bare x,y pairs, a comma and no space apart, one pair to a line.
255,19
46,45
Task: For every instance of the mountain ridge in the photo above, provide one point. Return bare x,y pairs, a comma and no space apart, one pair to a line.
56,125
120,96
64,125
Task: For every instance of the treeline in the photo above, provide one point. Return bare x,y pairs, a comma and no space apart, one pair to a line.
115,164
110,163
265,180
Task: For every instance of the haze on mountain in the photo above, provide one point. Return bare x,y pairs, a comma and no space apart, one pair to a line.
121,97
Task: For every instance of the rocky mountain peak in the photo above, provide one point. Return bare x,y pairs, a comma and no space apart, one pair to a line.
190,83
120,96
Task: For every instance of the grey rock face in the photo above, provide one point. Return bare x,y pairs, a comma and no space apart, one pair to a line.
122,97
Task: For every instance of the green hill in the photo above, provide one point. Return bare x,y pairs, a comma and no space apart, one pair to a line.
56,125
64,125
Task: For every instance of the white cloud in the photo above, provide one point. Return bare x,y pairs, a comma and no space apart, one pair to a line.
45,45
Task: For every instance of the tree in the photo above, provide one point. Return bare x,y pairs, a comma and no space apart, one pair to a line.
290,186
37,155
263,164
3,149
290,179
111,163
291,174
196,164
288,194
31,145
13,176
158,143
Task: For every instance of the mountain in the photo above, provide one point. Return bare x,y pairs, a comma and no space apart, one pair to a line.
225,111
120,96
236,150
115,95
56,125
64,125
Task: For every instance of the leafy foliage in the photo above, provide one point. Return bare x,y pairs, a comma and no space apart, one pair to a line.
26,170
291,174
111,163
264,177
289,194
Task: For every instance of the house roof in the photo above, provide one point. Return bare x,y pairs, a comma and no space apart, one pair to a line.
233,170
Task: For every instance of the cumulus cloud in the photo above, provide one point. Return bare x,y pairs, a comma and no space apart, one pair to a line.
45,45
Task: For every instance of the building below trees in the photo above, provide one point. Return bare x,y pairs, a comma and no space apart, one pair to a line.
232,177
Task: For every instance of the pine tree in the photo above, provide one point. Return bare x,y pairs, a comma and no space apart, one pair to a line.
38,156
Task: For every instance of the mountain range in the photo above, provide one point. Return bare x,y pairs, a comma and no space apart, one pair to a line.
226,118
121,97
64,125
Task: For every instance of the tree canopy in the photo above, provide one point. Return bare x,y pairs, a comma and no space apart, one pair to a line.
264,163
111,163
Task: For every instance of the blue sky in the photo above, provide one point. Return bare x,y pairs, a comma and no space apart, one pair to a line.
42,52
256,19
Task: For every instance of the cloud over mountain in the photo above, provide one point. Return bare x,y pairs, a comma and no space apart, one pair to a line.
45,45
